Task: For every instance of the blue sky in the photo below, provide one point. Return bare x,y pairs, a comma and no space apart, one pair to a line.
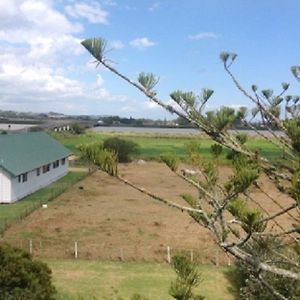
44,68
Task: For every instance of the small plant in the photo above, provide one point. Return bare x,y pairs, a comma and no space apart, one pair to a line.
123,148
188,277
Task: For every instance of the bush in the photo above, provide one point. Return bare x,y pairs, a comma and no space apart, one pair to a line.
123,148
77,128
23,278
105,159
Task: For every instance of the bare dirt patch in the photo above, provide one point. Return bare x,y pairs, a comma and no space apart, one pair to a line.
112,221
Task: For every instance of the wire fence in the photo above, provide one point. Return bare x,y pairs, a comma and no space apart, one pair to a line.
21,209
97,251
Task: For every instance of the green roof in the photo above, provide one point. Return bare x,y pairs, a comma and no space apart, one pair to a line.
20,153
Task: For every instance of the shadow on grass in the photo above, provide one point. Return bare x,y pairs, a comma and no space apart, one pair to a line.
235,279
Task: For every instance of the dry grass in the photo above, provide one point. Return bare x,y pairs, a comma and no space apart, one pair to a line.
112,221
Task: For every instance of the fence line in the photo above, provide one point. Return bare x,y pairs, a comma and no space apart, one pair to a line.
52,193
84,250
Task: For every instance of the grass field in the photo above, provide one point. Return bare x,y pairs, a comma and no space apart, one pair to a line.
104,216
109,279
9,213
151,146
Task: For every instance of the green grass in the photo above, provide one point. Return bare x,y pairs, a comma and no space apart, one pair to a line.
265,148
152,145
106,279
9,213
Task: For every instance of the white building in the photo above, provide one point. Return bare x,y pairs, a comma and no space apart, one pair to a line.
28,162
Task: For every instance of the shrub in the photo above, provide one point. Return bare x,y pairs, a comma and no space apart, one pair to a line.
23,278
77,128
105,159
123,148
188,277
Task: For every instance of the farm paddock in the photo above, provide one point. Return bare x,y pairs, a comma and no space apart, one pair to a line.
111,221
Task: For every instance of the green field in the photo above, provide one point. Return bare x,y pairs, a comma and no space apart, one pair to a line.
10,213
151,146
109,279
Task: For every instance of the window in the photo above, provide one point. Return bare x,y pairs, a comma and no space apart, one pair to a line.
24,177
38,171
46,168
63,161
56,164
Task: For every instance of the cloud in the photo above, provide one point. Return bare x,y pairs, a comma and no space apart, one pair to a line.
142,43
42,88
203,35
92,11
154,6
31,19
41,68
116,44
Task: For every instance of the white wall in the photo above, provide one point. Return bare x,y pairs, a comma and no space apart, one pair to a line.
34,182
5,186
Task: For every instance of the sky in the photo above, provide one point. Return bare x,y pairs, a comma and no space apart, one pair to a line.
43,66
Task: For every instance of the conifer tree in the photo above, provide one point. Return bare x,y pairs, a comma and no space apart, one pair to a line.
226,209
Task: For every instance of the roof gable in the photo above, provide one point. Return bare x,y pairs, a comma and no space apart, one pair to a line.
20,153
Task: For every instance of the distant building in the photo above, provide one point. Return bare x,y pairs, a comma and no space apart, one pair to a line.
28,162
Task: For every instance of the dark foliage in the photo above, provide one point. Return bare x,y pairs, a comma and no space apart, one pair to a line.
77,128
23,278
123,148
216,150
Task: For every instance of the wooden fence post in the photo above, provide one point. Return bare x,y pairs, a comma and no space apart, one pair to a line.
168,255
76,250
229,261
192,255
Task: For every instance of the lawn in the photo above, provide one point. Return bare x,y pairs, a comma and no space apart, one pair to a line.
109,279
9,213
152,145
